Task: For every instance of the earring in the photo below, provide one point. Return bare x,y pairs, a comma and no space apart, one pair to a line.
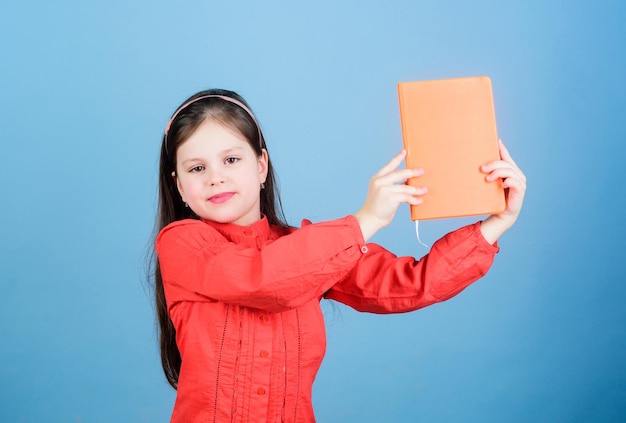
186,205
262,185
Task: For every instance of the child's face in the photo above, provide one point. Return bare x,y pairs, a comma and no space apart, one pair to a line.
219,176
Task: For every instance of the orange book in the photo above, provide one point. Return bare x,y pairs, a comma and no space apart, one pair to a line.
449,129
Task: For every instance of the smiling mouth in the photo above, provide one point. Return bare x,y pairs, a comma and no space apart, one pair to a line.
221,197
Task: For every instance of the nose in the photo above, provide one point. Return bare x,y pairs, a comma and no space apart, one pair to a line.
215,176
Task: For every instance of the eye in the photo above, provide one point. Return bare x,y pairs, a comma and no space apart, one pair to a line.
231,160
196,169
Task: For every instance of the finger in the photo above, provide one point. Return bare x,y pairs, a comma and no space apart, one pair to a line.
504,153
502,166
414,201
406,190
504,169
400,175
505,172
496,164
405,198
394,195
510,181
515,195
505,157
392,164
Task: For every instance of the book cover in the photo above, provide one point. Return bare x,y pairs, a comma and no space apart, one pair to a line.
449,129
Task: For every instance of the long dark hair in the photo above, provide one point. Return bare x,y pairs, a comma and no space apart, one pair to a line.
187,118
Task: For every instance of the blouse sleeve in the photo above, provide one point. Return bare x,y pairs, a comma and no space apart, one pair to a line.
382,283
198,263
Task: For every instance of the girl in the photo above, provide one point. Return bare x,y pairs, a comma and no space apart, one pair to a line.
238,290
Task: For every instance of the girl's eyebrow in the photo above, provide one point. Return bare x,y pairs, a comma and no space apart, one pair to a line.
232,149
193,159
223,153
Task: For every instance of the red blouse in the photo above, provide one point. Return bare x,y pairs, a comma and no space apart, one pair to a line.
245,302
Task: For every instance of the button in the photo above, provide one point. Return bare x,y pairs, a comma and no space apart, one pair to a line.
263,353
364,249
261,391
263,318
247,232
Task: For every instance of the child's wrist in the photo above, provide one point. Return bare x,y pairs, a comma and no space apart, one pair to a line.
494,227
367,224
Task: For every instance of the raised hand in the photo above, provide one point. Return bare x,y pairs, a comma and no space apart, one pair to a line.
386,192
513,180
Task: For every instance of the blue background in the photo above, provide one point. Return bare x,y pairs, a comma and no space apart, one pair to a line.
86,89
